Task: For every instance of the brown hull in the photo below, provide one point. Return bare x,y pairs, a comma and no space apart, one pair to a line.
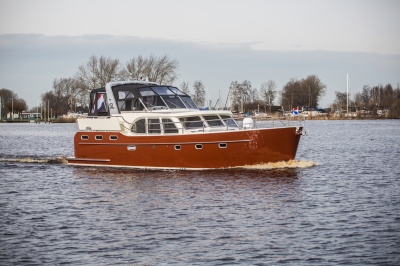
187,151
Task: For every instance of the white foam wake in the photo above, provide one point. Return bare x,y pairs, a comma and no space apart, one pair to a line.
282,165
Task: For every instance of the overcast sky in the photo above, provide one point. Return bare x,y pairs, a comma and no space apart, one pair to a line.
216,42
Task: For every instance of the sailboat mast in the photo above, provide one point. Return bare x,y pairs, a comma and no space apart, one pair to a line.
347,85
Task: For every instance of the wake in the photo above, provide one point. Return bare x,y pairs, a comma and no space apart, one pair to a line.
292,164
55,160
282,165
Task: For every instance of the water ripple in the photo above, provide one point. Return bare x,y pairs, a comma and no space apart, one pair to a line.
342,208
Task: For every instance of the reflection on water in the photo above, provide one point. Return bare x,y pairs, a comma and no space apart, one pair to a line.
251,174
210,182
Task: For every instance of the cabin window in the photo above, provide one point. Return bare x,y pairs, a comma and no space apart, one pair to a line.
146,92
213,120
113,137
126,101
229,121
154,126
188,102
173,102
163,91
149,97
169,126
177,91
150,101
85,137
139,126
192,122
199,146
98,137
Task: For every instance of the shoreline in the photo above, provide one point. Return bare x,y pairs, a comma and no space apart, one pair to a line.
56,121
255,118
303,118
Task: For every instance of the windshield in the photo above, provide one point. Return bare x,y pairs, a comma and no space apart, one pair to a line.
171,97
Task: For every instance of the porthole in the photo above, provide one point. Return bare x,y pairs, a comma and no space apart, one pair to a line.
222,145
85,137
99,137
113,137
199,146
178,147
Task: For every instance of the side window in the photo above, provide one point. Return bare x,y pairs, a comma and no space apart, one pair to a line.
229,121
150,101
213,120
139,126
125,100
192,122
169,126
154,126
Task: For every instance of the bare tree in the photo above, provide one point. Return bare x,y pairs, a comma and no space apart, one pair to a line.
108,70
86,75
19,105
306,92
268,92
252,93
358,100
314,89
394,111
97,73
290,94
52,105
7,96
340,100
10,102
388,96
199,93
156,69
185,87
67,92
242,95
235,95
247,92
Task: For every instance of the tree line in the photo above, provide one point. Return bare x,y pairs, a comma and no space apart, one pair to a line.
246,98
72,93
10,102
306,92
370,100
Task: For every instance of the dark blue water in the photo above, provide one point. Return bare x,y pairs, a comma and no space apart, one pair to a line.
345,210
